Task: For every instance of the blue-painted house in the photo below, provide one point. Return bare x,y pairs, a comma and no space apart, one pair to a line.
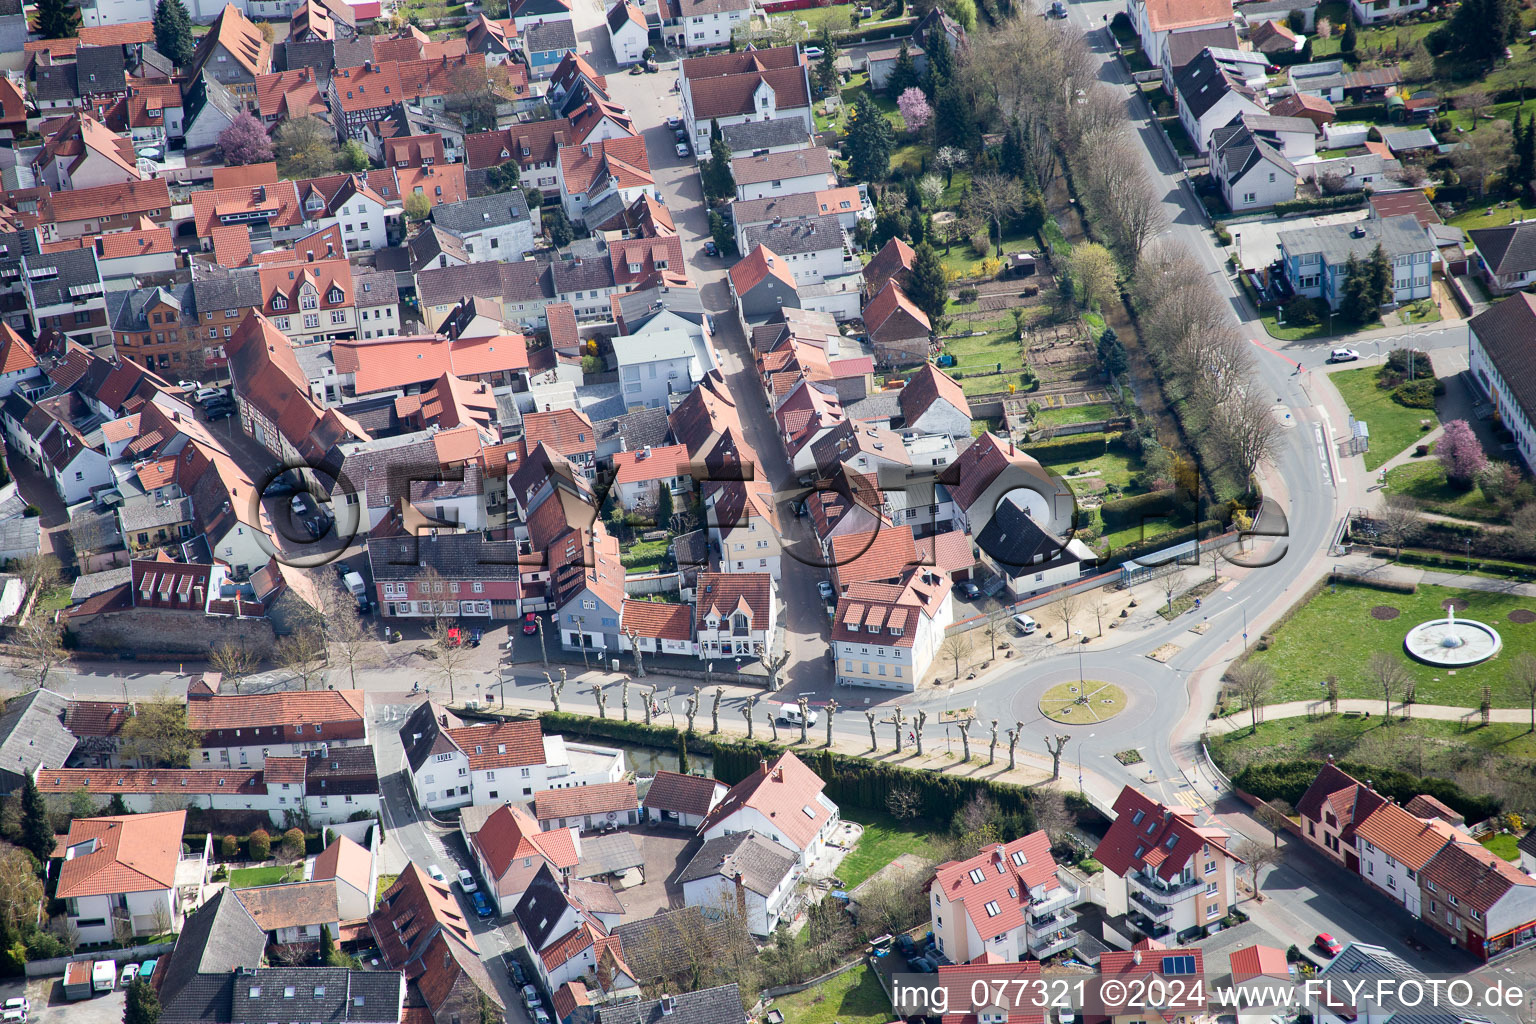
546,45
1315,258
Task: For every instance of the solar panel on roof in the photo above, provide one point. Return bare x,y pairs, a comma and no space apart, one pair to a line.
1178,965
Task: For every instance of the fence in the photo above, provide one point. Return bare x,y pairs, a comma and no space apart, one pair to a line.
789,990
653,583
56,965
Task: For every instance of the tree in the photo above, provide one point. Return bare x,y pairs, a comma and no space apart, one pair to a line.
1112,353
1483,153
903,74
41,642
1475,102
142,1004
996,197
173,32
292,848
345,636
1253,682
1522,678
558,227
305,147
1055,745
81,803
259,845
1052,816
930,190
354,158
156,735
715,175
870,140
1396,521
928,288
1093,272
417,206
954,119
21,890
826,65
956,648
904,803
1245,428
682,754
1389,676
472,97
327,946
725,244
1259,857
941,63
1066,609
56,19
302,653
245,141
502,178
914,109
37,835
452,652
1274,815
1480,29
235,659
1347,41
951,159
1460,453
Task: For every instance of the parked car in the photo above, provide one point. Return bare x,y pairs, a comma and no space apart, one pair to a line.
539,1016
530,996
1027,624
711,249
904,945
19,1007
682,150
204,394
680,136
674,122
148,970
530,624
128,973
825,589
1343,355
970,591
515,969
436,873
481,904
922,965
455,636
466,880
475,636
189,385
220,412
1328,944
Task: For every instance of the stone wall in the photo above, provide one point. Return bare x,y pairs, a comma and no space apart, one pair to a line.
162,631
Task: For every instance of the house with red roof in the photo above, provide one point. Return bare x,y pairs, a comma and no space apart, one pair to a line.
898,329
18,364
640,475
1478,900
1330,810
1167,867
1155,20
510,848
887,634
735,614
84,153
421,930
762,285
753,85
127,874
591,172
783,802
658,627
683,800
742,520
1396,845
1010,900
806,414
587,807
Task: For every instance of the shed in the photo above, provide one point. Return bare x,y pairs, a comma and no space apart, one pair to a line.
1021,264
77,979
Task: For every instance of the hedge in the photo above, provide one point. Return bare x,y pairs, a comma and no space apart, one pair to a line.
1288,780
1078,446
1138,508
1206,528
314,842
1341,201
850,781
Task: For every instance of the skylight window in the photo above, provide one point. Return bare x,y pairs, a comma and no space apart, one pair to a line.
993,909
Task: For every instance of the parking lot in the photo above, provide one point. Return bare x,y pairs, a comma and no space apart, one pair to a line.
666,852
49,1004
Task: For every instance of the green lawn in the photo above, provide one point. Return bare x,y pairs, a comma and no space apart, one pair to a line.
385,881
1393,427
1503,844
983,354
1074,414
249,878
884,839
1113,468
1114,541
854,997
966,263
1494,213
1421,746
1335,634
55,599
643,555
1424,481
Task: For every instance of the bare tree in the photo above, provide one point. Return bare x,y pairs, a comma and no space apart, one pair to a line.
831,713
1331,684
41,642
600,695
234,659
714,711
1258,859
903,803
964,725
898,719
345,634
1389,675
1252,681
804,704
1274,815
1522,678
996,629
996,197
1475,102
634,648
773,664
1397,522
1066,609
302,653
1246,429
691,709
992,746
1169,584
1055,745
920,720
452,652
874,743
556,689
956,648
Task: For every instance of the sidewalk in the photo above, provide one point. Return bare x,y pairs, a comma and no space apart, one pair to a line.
1241,720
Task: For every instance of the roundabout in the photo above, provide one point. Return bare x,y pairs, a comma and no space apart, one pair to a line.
1082,703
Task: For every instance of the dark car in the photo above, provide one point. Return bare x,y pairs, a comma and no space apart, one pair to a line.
1058,9
474,637
680,135
922,965
904,945
515,969
530,624
220,412
711,249
482,905
970,590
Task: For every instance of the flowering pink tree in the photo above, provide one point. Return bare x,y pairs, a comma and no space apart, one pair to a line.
245,141
914,108
1460,453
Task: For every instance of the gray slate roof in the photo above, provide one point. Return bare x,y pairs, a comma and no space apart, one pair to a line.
762,864
101,69
1238,150
375,288
540,909
149,514
636,307
1202,84
1510,249
207,91
470,215
637,429
55,83
753,135
32,733
719,1005
128,309
551,35
522,281
74,268
1397,235
1404,139
317,54
317,994
582,275
100,582
815,234
232,291
1505,330
421,735
196,985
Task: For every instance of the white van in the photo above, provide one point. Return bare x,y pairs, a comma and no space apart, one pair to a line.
1027,624
103,975
790,713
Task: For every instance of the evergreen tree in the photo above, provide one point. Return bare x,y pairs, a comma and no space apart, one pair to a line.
720,231
941,65
719,182
1378,288
1354,302
664,505
142,1005
116,806
1525,153
682,753
327,946
955,120
917,227
927,288
1112,353
870,140
903,75
558,226
826,65
1347,41
57,19
173,32
36,830
1010,158
1481,28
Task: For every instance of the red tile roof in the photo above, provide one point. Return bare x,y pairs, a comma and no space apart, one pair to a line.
658,620
441,183
286,94
1007,875
785,792
927,386
682,794
1413,841
722,593
133,853
289,708
758,264
536,142
240,37
169,781
495,745
510,834
1259,962
117,35
1475,875
345,860
576,801
1169,15
891,312
650,464
982,461
567,431
589,165
876,556
15,354
151,197
1147,834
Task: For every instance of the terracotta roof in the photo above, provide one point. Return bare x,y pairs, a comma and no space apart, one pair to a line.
891,308
240,37
510,833
749,272
567,431
500,744
1147,834
1170,15
346,861
133,853
285,94
117,35
786,792
254,710
536,142
1476,875
948,552
95,717
635,258
652,464
575,801
441,183
170,781
876,556
733,94
1426,806
569,946
382,364
279,201
1413,841
119,198
1349,801
409,913
928,385
1259,962
1007,876
1136,960
291,905
587,166
659,620
722,593
15,354
683,794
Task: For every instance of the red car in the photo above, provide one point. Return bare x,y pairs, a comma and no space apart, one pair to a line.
1328,944
455,637
530,624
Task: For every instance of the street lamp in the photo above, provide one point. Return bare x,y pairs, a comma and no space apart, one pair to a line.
1078,633
738,671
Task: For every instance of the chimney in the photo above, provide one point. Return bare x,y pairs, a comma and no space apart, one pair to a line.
762,765
1136,958
666,1005
741,895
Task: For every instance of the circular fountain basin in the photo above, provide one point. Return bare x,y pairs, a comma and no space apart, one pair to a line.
1452,642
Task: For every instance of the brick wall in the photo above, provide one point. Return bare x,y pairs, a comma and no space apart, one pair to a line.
158,629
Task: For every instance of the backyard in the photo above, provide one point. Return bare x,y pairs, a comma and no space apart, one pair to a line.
1393,427
998,348
885,838
249,878
853,997
1337,631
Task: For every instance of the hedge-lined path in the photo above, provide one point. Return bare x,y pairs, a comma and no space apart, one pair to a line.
1240,720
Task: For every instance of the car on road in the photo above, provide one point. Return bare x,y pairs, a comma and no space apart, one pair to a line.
1328,944
436,873
970,591
1058,9
1343,355
813,52
129,972
530,624
711,249
1027,624
189,385
220,412
824,588
475,636
539,1016
680,136
682,150
481,904
466,880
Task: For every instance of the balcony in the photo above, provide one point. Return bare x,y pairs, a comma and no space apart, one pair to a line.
1165,892
1155,911
1051,944
1067,895
1056,919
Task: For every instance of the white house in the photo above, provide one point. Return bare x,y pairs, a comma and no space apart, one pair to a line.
668,355
602,804
355,870
682,800
1316,258
1371,12
453,765
493,228
1251,174
887,635
785,173
640,475
1009,900
1498,341
735,614
127,875
701,24
1210,96
659,627
18,366
350,202
627,33
743,525
1155,20
510,850
294,913
783,802
813,250
742,871
733,88
1394,847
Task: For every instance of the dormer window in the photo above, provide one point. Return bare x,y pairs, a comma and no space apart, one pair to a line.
278,302
334,296
896,630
